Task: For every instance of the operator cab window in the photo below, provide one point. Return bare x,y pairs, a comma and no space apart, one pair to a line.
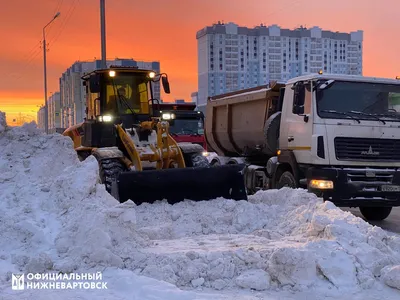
127,94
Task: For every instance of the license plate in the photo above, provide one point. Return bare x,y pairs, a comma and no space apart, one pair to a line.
390,188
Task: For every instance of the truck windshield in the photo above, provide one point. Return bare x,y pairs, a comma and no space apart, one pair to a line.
186,126
365,101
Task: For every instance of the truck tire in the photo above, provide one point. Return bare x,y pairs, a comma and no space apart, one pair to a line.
196,160
375,213
271,133
215,163
286,180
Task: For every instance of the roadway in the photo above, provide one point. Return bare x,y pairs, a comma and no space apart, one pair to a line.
391,223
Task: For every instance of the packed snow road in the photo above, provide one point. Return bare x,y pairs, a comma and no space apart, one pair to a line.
56,218
391,224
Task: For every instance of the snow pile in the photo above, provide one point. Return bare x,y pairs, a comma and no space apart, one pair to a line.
285,238
56,217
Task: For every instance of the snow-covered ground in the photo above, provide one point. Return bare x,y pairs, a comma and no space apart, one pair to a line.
55,217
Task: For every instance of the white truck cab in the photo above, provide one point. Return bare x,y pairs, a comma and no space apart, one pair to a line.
336,135
340,135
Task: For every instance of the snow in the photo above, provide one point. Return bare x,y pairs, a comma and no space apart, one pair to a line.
288,244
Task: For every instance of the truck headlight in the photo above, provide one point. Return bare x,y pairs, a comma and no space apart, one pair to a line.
321,184
106,118
168,116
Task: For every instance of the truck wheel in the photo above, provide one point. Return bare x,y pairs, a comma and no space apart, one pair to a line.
286,180
375,213
196,160
215,163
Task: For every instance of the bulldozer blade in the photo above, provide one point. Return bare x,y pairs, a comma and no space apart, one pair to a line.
178,184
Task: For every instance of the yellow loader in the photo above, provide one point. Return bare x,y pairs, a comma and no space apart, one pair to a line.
138,158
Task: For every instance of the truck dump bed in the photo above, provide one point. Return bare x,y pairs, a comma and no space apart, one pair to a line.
235,122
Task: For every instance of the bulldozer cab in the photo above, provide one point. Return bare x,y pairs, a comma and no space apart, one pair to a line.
121,95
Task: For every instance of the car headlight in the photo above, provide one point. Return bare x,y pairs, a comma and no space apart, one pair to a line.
106,118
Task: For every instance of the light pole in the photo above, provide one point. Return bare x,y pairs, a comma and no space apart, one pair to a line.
46,117
103,33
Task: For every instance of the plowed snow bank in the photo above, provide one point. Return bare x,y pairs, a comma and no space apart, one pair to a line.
55,216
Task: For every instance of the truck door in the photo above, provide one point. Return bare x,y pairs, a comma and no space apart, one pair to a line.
299,123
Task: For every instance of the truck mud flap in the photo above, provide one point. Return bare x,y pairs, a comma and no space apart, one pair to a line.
176,185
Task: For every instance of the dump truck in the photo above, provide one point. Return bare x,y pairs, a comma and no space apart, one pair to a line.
185,124
138,158
336,135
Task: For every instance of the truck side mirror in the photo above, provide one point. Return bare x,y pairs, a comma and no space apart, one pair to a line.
298,99
298,110
94,83
165,84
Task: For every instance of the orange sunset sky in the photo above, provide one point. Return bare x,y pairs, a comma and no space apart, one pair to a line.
165,31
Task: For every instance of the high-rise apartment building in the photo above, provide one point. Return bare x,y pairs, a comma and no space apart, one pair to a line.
231,57
72,92
40,118
53,104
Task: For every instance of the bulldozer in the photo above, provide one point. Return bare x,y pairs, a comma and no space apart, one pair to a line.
138,159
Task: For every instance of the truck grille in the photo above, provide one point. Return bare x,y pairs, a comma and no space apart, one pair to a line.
367,149
370,176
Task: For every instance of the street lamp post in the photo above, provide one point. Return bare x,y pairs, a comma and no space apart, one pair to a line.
46,117
103,33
